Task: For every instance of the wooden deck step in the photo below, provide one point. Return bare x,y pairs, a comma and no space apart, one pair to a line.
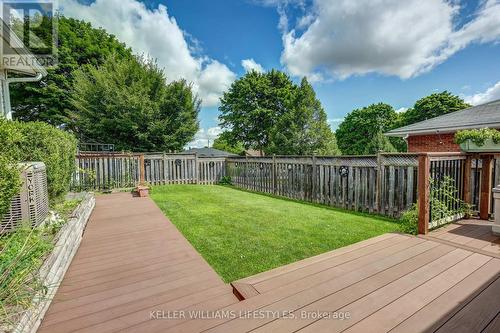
260,283
254,279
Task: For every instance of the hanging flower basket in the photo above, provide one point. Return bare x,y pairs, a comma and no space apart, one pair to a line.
488,146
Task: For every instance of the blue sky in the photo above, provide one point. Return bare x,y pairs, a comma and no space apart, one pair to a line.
356,53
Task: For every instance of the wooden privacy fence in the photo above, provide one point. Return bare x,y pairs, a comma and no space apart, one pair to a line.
106,171
109,171
384,184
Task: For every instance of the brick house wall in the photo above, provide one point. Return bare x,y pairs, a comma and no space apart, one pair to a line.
432,143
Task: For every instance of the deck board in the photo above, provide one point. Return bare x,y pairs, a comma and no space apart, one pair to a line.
131,259
469,234
133,262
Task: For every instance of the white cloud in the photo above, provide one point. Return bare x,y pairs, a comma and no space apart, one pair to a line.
334,123
391,37
204,137
401,110
154,33
491,94
251,65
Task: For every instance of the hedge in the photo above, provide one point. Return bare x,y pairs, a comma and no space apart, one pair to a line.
40,142
9,183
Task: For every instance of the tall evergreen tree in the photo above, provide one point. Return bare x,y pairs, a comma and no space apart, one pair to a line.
304,130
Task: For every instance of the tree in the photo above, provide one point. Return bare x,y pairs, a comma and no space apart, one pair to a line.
80,45
127,102
222,143
432,106
268,112
362,130
304,130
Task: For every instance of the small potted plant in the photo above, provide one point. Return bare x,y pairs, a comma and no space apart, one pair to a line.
478,140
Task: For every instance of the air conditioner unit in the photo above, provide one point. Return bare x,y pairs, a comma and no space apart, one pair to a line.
31,205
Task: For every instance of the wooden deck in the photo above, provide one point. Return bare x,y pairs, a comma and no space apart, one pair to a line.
474,235
133,262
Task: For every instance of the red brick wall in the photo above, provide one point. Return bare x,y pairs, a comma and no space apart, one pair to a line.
430,143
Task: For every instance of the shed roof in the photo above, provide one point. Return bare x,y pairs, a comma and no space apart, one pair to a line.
480,116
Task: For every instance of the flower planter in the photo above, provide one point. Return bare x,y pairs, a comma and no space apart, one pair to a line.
142,191
488,146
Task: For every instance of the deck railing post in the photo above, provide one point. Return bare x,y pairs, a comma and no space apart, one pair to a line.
484,206
423,193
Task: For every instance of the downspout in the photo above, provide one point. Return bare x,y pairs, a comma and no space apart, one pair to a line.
6,91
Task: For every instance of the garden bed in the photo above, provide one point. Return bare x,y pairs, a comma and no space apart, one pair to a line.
241,233
67,239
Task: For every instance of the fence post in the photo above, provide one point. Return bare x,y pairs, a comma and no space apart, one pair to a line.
273,170
196,168
423,193
378,193
313,176
142,170
484,206
164,180
246,172
467,180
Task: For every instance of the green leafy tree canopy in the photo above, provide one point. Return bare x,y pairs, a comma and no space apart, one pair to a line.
432,106
222,143
268,112
128,102
79,45
362,130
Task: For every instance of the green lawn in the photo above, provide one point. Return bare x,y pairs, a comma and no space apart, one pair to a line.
241,233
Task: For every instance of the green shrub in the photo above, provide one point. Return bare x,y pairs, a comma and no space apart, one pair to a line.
226,180
41,142
409,220
478,136
9,183
9,175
